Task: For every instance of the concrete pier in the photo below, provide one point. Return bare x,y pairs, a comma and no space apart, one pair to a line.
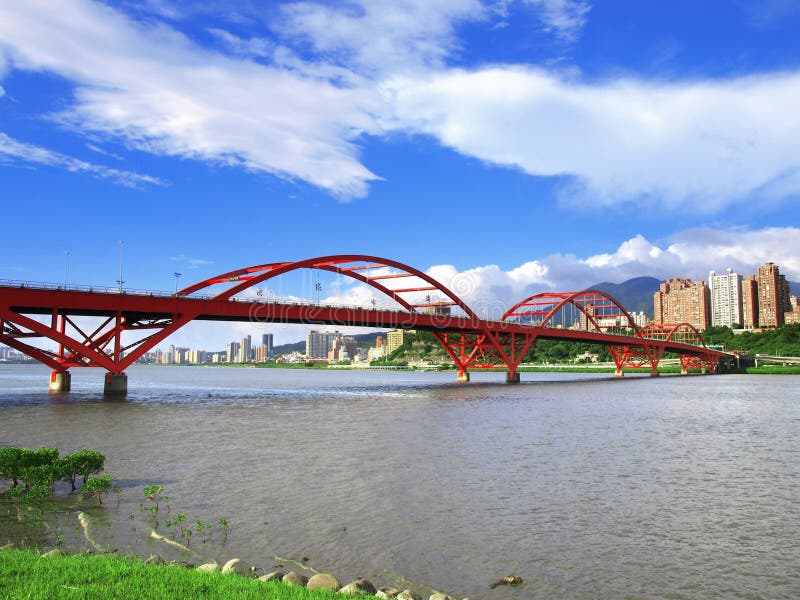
60,381
463,377
116,384
512,378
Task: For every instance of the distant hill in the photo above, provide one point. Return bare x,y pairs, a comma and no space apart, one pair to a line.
794,288
635,294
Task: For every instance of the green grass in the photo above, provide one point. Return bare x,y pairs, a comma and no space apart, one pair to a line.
773,370
25,574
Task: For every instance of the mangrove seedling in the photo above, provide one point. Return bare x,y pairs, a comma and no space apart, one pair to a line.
97,486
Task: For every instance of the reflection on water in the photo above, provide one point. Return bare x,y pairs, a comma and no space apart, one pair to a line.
584,485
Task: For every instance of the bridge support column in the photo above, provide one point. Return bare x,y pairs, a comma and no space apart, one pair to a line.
684,371
619,372
512,377
60,381
463,377
655,373
116,384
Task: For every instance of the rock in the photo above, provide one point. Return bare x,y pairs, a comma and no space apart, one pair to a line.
323,581
295,578
181,563
387,592
275,575
359,586
54,552
235,565
6,547
507,580
209,568
155,559
440,596
408,595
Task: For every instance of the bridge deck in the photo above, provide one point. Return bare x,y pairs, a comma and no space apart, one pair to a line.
146,306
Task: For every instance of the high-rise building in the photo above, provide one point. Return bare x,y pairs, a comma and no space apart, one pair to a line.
245,346
750,302
266,340
773,296
793,317
394,339
318,343
726,298
232,353
682,301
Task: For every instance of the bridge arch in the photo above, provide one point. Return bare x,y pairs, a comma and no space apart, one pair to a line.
355,266
597,306
684,333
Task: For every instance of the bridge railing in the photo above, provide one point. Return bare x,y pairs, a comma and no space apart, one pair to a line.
99,289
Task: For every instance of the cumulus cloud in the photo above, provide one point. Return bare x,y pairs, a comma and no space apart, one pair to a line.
490,290
12,150
148,84
704,144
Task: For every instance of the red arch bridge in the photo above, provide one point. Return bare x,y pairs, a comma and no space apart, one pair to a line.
420,302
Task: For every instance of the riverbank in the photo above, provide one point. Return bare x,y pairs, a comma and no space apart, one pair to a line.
26,574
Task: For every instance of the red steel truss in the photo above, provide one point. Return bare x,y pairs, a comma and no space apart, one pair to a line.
422,303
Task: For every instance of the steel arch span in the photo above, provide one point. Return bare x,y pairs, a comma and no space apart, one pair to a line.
599,308
693,353
374,271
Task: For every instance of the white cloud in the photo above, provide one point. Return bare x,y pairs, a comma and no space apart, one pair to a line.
699,144
151,86
490,290
190,262
565,18
12,150
381,36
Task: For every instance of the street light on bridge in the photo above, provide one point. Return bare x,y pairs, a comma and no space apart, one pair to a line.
177,276
120,281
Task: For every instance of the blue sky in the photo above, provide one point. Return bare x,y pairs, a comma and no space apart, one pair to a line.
526,144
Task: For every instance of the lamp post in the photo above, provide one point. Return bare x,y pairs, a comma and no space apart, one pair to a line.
177,276
66,260
120,281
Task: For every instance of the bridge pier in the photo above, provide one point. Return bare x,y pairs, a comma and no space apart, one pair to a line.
116,384
619,373
512,377
60,381
463,377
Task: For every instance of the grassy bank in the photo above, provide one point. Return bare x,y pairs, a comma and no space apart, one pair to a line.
26,574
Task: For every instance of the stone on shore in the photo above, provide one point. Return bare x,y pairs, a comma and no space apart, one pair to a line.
275,575
408,595
237,566
209,568
387,592
295,578
54,552
440,596
155,559
359,586
324,581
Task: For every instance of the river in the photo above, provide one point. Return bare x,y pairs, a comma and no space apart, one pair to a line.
585,485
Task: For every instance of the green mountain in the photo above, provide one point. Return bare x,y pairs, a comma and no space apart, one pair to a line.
636,294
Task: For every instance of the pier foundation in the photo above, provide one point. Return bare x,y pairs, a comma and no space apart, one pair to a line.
116,384
60,381
463,377
512,378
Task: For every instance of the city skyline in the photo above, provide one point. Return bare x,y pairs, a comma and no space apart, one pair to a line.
504,148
